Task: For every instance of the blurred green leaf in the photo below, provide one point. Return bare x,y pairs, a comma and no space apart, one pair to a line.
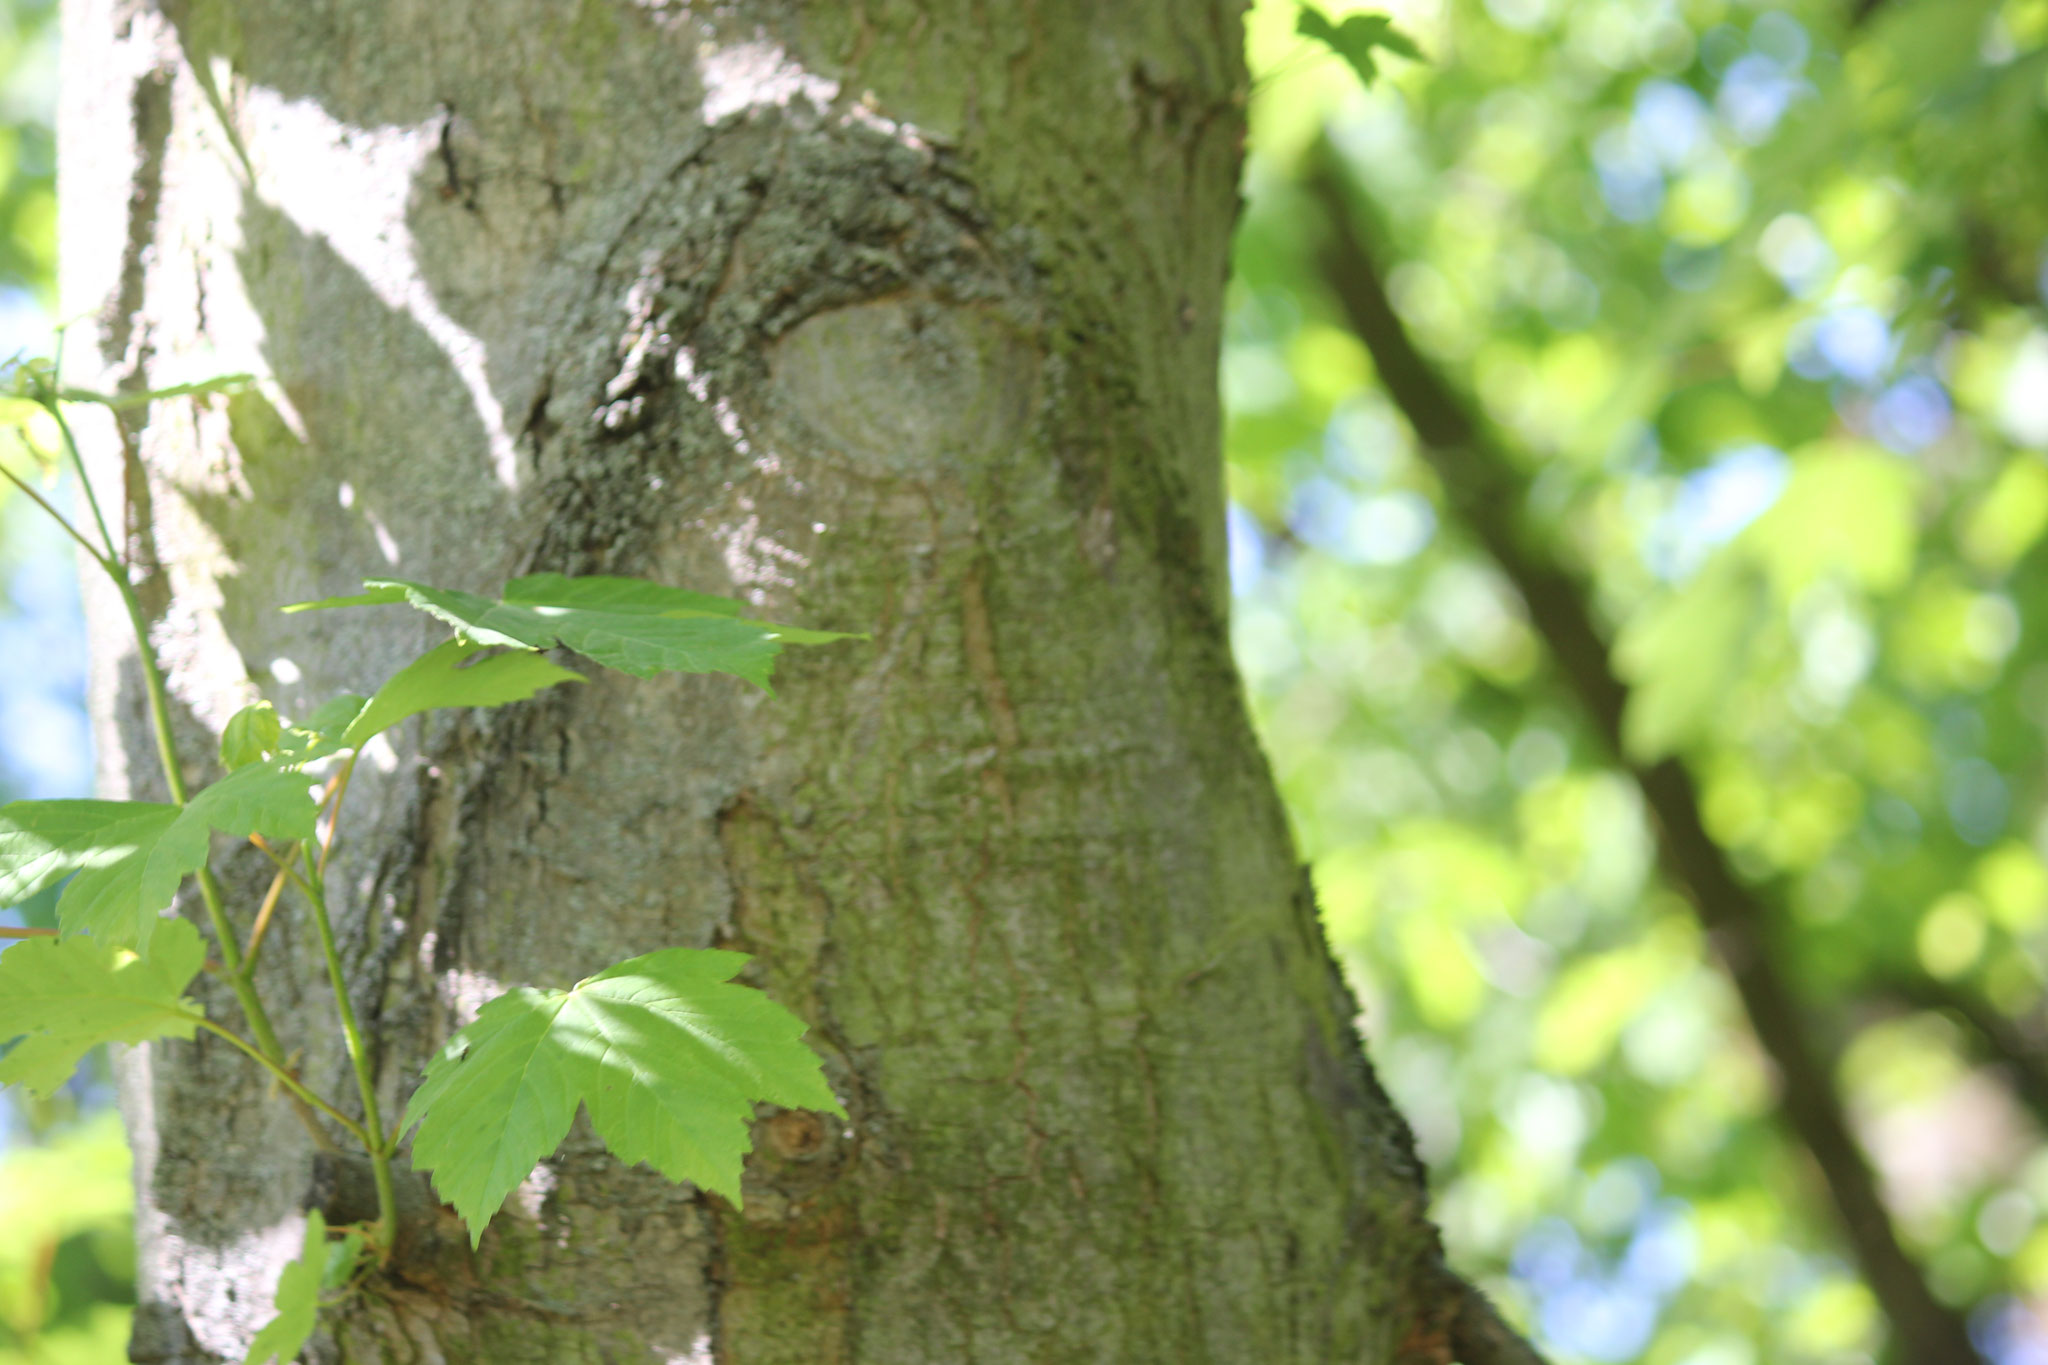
1357,38
297,1301
1682,655
129,857
63,997
1849,511
251,735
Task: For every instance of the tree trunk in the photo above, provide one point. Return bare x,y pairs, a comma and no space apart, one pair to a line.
889,316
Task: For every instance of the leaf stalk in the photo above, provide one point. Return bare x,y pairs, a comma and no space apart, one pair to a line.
116,567
284,1076
315,884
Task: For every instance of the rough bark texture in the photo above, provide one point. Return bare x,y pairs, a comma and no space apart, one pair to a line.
891,316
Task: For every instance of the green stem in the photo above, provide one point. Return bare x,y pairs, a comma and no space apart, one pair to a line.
116,568
284,1077
352,1036
174,773
54,515
48,399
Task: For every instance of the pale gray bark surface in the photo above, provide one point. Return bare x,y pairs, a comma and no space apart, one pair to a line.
897,317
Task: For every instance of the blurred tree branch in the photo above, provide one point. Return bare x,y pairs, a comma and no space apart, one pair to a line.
1486,491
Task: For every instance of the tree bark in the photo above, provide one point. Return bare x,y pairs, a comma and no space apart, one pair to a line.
888,316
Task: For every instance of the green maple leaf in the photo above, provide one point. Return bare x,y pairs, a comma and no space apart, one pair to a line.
297,1301
1356,39
42,842
251,735
319,734
664,1051
448,675
629,624
131,855
445,676
62,997
603,592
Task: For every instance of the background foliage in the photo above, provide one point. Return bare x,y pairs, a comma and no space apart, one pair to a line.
1749,299
66,1249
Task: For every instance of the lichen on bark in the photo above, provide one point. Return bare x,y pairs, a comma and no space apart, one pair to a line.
895,317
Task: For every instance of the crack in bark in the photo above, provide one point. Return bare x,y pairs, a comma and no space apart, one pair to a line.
452,184
126,322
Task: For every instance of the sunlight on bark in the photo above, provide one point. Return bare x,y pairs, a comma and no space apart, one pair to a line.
349,186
